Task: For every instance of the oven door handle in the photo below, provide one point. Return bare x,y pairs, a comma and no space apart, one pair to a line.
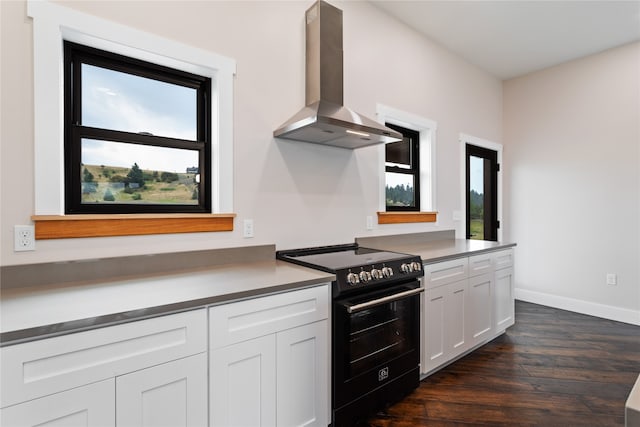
383,300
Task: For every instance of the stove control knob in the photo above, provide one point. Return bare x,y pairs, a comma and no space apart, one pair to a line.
376,274
415,266
352,279
387,271
365,276
406,268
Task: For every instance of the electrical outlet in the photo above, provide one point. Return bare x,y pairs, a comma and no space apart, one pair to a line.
24,238
369,222
612,279
247,230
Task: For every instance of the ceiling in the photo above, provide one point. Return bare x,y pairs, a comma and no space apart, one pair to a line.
510,38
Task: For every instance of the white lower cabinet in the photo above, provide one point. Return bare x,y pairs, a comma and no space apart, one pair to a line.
173,394
504,308
243,383
468,301
269,363
480,318
147,373
89,405
445,326
302,386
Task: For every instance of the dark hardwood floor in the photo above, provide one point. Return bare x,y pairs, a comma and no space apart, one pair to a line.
552,368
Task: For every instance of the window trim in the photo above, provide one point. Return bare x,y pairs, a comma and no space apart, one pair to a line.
54,23
75,131
428,130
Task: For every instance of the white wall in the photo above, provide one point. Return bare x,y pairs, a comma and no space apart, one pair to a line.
297,194
572,146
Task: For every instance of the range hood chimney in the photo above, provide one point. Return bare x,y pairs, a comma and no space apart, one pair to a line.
325,120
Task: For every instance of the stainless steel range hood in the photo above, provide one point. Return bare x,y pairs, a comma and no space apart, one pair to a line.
325,120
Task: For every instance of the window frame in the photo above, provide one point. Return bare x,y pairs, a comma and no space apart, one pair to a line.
428,135
75,55
414,170
52,24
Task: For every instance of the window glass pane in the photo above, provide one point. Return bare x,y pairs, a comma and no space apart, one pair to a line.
476,197
400,189
120,101
116,172
399,154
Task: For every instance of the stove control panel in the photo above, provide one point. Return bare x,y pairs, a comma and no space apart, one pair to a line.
378,274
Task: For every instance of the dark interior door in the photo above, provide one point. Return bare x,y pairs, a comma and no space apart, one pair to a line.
482,193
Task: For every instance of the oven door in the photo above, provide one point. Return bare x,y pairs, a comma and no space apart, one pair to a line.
376,339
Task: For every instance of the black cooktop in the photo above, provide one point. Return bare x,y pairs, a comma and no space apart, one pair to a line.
334,258
355,267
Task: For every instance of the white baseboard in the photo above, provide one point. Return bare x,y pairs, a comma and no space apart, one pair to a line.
585,307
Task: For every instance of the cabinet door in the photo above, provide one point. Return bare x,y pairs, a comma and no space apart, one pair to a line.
243,383
303,376
172,394
504,309
91,405
456,307
435,336
480,308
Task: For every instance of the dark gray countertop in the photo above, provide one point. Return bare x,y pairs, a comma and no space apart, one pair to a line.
35,312
432,247
40,301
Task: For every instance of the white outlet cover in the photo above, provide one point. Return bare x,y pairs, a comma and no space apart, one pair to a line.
247,228
24,238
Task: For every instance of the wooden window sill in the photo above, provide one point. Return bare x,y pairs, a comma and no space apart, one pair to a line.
71,226
406,217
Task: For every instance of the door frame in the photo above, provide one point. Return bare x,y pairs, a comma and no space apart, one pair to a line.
473,140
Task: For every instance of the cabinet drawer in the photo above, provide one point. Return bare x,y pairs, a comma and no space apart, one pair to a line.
503,259
480,264
90,405
51,365
445,272
241,321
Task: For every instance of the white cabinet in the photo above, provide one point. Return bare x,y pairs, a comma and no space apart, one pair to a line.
468,301
77,379
269,361
480,319
267,364
504,300
89,405
243,383
302,365
444,324
173,394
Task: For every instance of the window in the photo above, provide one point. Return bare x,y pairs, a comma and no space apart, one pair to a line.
136,135
402,171
54,24
409,164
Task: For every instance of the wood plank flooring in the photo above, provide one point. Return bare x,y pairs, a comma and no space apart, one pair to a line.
552,368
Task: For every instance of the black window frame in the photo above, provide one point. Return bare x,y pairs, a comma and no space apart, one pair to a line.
74,56
413,137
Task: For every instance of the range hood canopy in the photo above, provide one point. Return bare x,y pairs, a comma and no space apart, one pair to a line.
325,120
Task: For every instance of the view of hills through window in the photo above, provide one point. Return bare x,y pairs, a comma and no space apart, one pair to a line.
105,180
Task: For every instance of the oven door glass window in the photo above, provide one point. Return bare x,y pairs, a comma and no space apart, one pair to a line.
379,334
